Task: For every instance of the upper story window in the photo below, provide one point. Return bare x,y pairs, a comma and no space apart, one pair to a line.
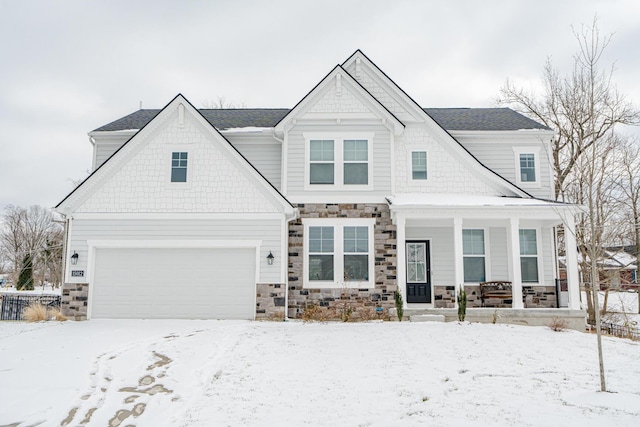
474,255
418,165
356,161
528,256
335,162
527,163
321,161
179,166
527,167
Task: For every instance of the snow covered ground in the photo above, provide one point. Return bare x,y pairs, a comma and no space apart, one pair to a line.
622,308
211,373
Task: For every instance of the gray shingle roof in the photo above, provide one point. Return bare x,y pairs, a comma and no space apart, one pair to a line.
482,119
486,119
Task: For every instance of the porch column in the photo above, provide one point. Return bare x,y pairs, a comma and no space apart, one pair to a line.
458,256
513,237
571,251
401,275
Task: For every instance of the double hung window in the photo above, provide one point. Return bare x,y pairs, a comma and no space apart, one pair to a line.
528,256
339,252
527,167
473,255
338,162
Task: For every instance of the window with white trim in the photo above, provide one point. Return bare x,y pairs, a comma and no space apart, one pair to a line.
528,256
179,166
321,161
418,165
338,252
338,161
356,161
527,164
473,255
527,167
321,253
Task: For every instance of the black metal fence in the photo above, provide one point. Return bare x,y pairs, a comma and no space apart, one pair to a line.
14,304
621,331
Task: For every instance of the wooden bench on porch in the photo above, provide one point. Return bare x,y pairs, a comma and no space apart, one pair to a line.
497,293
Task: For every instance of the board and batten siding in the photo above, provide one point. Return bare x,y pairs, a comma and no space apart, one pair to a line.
381,159
264,154
266,230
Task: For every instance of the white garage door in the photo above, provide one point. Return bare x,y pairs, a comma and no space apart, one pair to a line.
174,283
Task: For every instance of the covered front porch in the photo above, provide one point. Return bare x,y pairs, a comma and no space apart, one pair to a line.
445,242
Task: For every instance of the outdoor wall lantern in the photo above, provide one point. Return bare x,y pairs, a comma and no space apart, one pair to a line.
270,258
74,258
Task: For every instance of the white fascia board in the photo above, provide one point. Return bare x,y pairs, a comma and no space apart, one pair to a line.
178,215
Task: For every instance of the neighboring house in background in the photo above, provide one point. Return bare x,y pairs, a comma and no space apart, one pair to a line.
618,268
354,193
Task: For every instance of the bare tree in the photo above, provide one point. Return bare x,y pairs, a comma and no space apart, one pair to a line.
30,233
629,186
222,103
582,107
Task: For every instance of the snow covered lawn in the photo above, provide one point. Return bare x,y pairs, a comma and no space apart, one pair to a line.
211,373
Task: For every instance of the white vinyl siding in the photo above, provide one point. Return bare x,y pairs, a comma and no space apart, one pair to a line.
264,154
441,251
380,165
498,250
501,158
268,231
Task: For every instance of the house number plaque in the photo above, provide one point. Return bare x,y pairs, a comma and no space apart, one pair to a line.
77,273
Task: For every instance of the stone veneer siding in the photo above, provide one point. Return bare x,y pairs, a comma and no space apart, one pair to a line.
74,300
533,297
384,253
270,301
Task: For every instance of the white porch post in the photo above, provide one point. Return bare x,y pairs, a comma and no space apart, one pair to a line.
458,256
570,246
513,237
401,275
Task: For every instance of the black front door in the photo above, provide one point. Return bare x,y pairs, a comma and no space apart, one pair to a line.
418,272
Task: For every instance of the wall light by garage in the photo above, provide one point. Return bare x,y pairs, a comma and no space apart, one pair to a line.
270,258
74,258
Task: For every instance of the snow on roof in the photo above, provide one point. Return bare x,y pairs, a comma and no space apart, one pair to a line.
430,199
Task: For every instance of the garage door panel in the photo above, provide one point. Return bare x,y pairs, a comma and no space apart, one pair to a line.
174,283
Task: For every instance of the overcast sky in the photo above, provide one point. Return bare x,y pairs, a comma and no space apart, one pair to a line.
68,67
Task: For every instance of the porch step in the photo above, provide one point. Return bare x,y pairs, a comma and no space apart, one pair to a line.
427,318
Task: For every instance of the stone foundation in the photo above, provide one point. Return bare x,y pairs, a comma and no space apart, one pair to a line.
539,296
380,296
270,301
444,296
74,300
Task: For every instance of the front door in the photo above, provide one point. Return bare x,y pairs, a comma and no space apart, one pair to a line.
418,272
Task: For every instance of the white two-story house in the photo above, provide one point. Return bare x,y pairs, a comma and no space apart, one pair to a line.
355,192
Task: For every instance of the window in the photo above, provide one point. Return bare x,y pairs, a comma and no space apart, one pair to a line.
527,167
338,252
356,253
528,256
321,162
419,165
356,158
179,167
321,253
473,255
338,161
